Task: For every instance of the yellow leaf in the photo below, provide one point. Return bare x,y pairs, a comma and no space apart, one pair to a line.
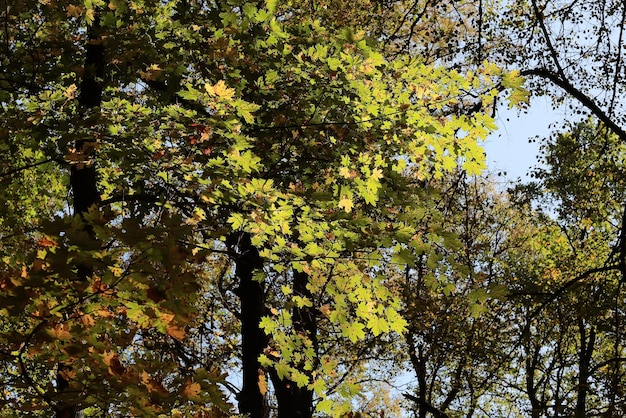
220,89
377,174
89,16
344,172
262,382
346,204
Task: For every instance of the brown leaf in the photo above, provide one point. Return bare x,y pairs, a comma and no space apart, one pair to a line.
175,331
153,385
60,332
191,390
112,360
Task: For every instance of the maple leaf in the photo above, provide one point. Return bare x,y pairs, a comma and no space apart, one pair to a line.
220,90
74,11
378,325
60,332
175,331
112,360
192,390
153,385
346,204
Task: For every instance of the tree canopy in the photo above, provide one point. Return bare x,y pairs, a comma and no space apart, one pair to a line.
278,209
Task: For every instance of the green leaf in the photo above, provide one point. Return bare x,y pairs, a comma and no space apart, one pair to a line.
271,5
268,325
378,325
334,64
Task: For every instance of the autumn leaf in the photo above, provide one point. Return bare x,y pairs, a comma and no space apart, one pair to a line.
112,360
46,242
67,373
192,390
175,331
346,204
152,384
60,332
262,382
220,90
74,11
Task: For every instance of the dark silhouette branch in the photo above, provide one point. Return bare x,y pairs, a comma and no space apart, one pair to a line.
585,100
427,406
16,170
560,291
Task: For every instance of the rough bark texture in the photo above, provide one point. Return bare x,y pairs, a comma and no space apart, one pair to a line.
253,340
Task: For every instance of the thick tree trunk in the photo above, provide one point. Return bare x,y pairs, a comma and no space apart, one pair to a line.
253,340
83,180
294,401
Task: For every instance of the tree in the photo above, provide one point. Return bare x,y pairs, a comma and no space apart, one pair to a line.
460,333
583,179
193,135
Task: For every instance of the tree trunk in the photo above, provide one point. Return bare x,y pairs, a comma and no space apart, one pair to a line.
253,339
294,401
587,345
83,180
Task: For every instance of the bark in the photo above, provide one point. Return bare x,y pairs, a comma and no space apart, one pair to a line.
587,346
253,339
531,388
418,361
83,180
294,401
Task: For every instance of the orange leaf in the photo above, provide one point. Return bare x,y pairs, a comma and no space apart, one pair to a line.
87,320
61,333
46,242
112,360
191,390
175,331
166,317
262,382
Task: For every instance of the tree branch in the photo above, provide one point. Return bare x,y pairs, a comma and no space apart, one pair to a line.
585,100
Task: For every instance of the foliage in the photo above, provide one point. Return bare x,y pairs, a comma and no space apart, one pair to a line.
214,118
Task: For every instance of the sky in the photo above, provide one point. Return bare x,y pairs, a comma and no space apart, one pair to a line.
508,149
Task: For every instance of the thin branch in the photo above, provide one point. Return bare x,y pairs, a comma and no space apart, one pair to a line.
618,60
585,100
546,35
14,171
560,291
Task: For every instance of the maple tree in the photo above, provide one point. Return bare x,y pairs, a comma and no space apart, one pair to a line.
227,162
